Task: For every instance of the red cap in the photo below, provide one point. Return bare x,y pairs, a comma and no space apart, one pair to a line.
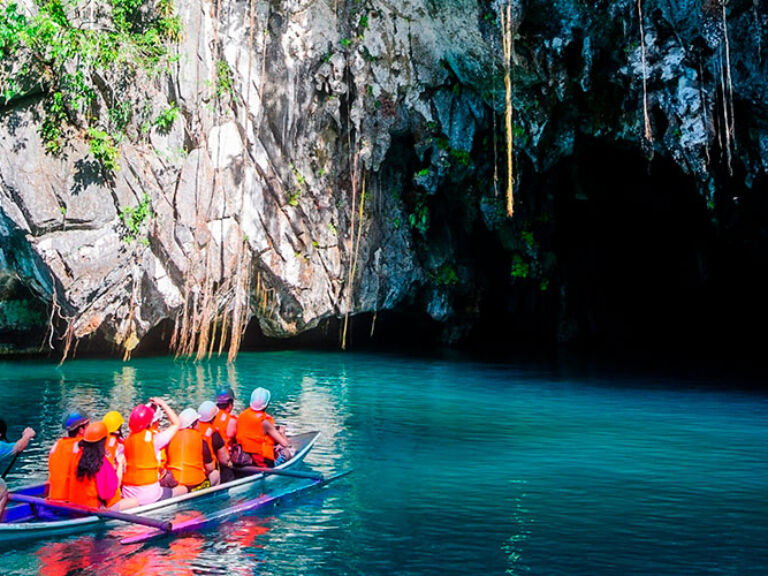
95,431
141,418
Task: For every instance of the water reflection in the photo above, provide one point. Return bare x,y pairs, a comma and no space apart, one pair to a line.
520,522
434,446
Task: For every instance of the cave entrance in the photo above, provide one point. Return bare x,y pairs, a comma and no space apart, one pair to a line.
646,266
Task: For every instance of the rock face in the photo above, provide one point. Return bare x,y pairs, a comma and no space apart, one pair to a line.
314,181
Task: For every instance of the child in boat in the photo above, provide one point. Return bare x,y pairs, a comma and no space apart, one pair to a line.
96,483
190,460
114,446
225,421
216,445
257,434
62,459
142,454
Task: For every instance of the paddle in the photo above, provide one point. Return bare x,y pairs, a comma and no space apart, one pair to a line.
278,472
100,512
10,465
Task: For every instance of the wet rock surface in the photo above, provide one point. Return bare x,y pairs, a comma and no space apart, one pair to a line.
353,159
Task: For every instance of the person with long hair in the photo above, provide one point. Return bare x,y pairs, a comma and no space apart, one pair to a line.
96,482
62,458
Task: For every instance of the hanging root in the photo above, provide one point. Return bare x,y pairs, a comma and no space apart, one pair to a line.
646,118
506,37
354,176
240,311
730,125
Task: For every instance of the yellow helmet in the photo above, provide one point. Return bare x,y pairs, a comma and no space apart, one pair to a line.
113,420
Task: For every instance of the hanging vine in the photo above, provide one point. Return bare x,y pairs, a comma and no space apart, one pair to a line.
728,115
648,133
216,306
507,36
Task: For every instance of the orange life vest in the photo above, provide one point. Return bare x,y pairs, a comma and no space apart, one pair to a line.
163,451
84,491
185,457
113,445
221,422
62,463
250,434
141,464
207,429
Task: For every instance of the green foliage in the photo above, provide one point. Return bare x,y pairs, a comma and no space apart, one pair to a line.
520,268
346,42
225,83
419,218
134,219
52,54
422,173
166,118
120,115
104,148
299,178
12,23
461,157
50,129
527,237
446,276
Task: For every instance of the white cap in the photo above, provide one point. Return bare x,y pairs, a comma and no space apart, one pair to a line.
207,411
188,417
260,398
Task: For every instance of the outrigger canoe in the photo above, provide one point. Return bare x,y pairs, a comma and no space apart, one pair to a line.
25,521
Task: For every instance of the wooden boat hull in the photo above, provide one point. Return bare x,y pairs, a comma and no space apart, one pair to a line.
24,523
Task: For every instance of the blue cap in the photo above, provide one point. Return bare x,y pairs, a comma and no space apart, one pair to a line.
73,420
224,395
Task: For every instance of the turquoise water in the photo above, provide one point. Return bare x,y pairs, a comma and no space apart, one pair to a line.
459,468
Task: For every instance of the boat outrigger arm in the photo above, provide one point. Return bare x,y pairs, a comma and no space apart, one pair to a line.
202,522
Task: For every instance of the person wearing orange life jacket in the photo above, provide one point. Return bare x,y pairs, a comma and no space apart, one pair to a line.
96,483
258,435
142,454
212,437
114,444
189,458
62,458
226,421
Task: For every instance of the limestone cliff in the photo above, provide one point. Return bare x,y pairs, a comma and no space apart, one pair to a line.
316,141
